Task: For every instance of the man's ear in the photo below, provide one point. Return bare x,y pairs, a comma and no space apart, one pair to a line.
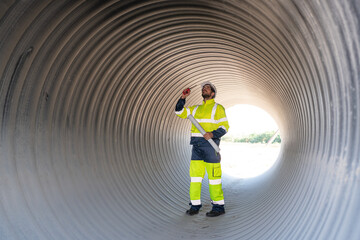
212,94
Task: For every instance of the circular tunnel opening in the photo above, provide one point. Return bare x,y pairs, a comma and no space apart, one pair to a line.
252,145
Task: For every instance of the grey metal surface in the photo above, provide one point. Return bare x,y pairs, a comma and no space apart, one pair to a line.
91,148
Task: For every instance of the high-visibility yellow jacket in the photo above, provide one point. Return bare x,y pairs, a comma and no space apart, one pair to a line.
210,115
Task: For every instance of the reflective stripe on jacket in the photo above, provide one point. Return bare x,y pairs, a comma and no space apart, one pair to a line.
210,115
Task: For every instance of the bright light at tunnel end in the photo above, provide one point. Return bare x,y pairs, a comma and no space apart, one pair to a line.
249,158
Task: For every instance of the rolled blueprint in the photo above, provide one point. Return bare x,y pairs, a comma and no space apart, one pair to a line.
198,126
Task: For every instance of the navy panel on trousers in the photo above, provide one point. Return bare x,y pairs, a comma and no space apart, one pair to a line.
207,154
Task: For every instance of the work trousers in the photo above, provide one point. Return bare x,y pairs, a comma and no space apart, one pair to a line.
197,173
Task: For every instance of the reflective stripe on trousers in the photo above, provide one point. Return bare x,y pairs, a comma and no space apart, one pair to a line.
197,173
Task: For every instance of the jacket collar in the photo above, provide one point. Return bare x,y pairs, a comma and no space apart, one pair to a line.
211,101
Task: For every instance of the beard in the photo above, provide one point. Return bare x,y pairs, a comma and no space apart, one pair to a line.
205,95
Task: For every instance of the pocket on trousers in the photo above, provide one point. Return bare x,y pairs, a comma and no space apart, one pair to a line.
217,171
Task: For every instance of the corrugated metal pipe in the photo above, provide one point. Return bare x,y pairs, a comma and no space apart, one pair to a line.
90,146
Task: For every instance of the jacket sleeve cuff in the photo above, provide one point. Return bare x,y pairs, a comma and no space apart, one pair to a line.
218,133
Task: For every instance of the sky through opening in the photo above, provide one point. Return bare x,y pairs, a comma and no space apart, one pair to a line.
247,160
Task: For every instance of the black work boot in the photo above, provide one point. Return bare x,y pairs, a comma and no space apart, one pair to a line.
216,210
194,209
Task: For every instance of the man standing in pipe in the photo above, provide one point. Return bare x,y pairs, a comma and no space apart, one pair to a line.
212,118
